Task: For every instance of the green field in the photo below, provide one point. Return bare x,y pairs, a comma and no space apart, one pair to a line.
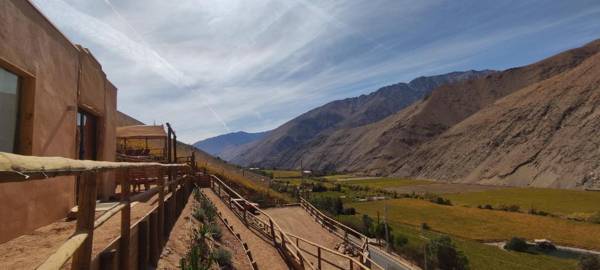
480,256
484,225
284,173
556,201
385,182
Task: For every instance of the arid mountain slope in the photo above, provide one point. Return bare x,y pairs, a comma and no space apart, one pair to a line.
543,135
382,147
224,146
283,147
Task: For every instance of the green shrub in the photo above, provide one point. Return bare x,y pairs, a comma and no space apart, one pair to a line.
222,256
445,256
595,218
425,226
400,240
215,231
516,244
589,262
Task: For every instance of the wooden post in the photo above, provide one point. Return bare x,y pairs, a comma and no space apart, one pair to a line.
245,218
282,240
86,207
154,239
125,224
174,148
273,232
143,245
351,265
318,257
161,210
107,260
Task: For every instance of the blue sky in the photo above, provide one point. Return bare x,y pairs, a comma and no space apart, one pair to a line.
216,66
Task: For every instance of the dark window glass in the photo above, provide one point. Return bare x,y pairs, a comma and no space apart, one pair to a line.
9,110
86,136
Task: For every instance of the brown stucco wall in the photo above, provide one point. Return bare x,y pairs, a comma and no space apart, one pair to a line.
31,45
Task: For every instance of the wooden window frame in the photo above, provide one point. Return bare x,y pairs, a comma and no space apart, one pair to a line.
26,111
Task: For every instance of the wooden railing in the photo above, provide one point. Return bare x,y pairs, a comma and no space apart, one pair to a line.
268,228
15,168
290,244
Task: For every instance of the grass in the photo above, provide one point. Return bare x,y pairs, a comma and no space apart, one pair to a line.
385,182
480,256
284,173
556,201
484,225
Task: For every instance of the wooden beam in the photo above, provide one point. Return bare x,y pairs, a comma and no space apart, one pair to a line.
82,258
124,246
64,252
143,244
154,239
107,260
161,209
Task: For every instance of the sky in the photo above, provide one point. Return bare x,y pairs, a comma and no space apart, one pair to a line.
211,67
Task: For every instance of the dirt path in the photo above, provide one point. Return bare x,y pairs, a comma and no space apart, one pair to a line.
30,250
296,221
265,255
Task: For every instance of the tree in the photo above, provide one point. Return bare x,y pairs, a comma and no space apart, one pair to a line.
516,244
589,262
367,223
445,256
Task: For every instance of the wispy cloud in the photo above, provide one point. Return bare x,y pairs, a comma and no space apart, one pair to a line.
212,66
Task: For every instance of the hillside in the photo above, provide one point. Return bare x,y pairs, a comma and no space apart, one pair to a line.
495,128
226,145
286,145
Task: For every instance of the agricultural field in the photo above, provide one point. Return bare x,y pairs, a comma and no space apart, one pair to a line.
383,182
559,202
480,256
484,225
283,173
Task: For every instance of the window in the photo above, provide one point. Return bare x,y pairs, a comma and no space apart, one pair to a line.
86,135
9,110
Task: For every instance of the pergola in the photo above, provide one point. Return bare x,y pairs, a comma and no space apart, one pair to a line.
142,143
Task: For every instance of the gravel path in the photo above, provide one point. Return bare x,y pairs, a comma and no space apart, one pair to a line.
265,255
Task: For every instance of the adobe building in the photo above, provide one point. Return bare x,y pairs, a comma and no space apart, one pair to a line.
55,100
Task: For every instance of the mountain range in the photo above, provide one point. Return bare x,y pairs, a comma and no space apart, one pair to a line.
530,125
227,146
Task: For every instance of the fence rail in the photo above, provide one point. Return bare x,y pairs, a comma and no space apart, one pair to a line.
78,248
289,244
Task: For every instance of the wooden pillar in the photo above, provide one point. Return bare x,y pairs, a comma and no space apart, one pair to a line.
318,257
143,244
174,148
282,240
82,258
107,260
125,225
154,239
161,210
273,232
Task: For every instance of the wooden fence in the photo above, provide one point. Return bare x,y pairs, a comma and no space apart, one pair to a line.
289,245
152,230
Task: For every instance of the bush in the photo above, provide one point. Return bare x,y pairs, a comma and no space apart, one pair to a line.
595,218
589,262
534,211
440,200
215,231
349,211
516,244
445,256
510,208
425,226
222,257
400,240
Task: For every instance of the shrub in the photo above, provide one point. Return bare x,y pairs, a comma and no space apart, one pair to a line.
349,211
510,208
595,218
400,240
222,257
516,244
534,211
589,262
440,200
445,256
425,226
215,231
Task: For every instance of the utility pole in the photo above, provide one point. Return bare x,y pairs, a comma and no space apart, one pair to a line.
387,235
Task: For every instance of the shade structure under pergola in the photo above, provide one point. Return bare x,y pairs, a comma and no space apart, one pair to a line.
141,132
